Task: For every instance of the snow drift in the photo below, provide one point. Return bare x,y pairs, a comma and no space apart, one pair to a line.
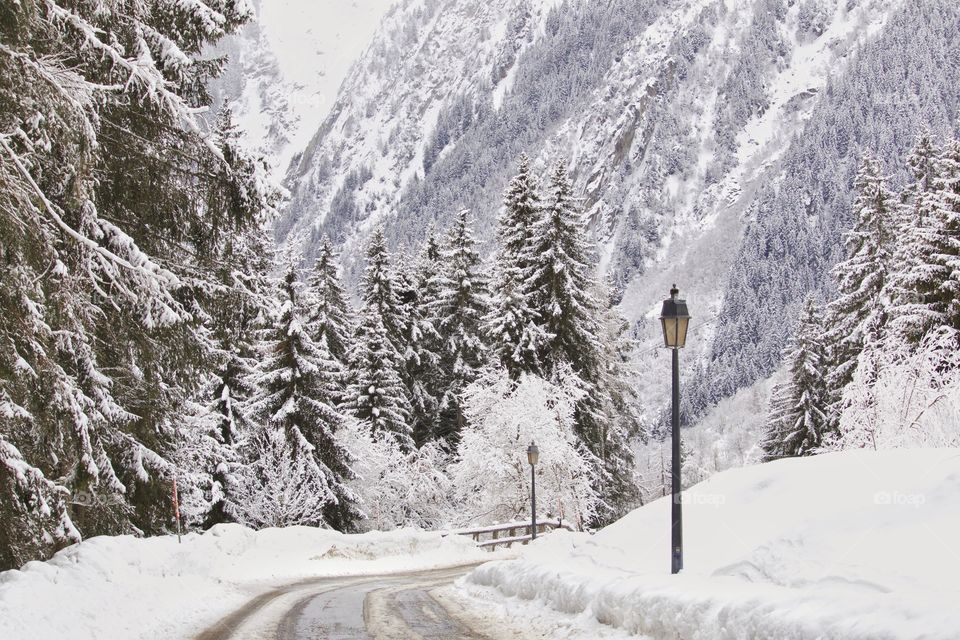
126,587
858,544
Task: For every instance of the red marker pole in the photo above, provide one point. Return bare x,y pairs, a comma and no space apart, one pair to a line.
176,509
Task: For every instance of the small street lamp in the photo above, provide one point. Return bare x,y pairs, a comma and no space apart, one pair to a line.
675,320
533,456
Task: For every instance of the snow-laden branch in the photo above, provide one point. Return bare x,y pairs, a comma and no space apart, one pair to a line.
143,73
158,279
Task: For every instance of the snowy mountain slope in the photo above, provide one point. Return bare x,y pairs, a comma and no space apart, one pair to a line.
428,61
900,81
286,68
672,150
681,119
799,548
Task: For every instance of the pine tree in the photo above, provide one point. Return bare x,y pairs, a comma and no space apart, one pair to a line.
558,282
116,204
298,385
220,423
798,421
375,394
427,266
922,162
947,215
516,338
459,310
414,356
620,406
378,392
420,374
917,273
330,320
859,312
378,291
911,342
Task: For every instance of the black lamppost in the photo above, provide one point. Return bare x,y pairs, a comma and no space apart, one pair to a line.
675,319
533,455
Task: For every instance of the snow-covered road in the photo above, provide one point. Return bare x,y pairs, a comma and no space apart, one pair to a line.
407,605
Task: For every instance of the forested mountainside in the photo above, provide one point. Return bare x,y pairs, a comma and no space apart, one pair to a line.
892,89
714,142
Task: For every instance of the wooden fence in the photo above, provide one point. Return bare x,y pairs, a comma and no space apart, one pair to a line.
509,533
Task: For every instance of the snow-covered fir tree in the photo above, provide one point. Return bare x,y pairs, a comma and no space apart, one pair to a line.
425,369
420,361
858,314
917,274
947,215
378,291
515,336
330,320
375,394
559,281
905,390
461,305
798,421
105,272
298,387
619,404
238,305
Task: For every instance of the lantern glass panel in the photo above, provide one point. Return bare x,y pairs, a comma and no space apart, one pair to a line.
533,454
667,324
681,331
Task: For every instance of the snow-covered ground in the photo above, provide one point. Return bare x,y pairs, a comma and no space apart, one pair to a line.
858,544
126,587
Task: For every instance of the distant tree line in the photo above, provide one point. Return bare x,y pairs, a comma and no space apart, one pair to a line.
334,410
876,366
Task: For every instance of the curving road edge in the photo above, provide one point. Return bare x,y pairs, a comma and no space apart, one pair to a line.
379,607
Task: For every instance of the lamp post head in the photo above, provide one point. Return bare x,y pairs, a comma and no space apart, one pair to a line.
533,454
674,319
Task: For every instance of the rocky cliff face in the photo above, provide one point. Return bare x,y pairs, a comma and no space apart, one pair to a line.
286,67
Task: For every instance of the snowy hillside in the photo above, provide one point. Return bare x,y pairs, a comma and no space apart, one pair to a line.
859,544
417,86
681,118
286,68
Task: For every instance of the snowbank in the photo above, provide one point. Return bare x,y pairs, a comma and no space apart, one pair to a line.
126,587
858,544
